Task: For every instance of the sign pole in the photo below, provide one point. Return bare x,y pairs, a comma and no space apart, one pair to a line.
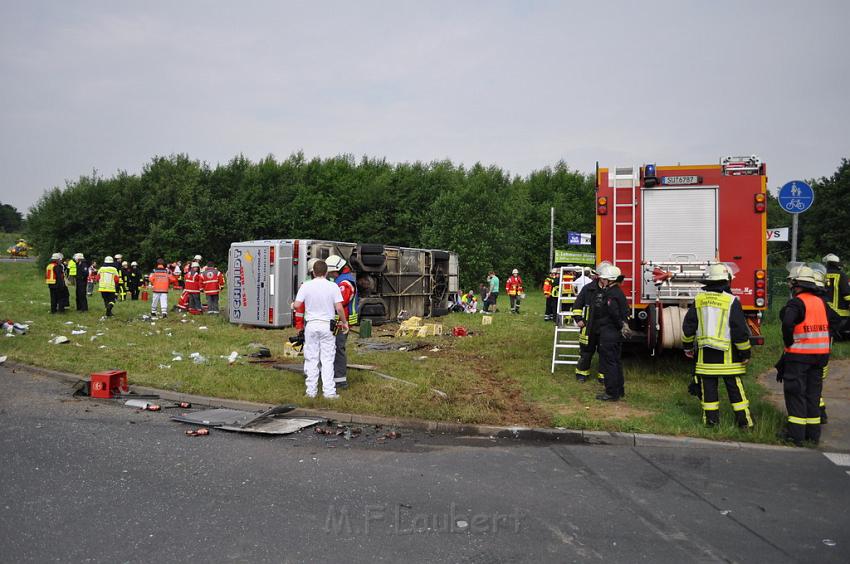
794,237
551,238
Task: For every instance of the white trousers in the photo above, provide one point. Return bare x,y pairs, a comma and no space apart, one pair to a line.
160,298
319,347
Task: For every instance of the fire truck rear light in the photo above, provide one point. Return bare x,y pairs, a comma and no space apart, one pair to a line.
760,302
759,283
271,315
295,252
271,255
602,201
759,203
602,205
602,210
760,293
759,274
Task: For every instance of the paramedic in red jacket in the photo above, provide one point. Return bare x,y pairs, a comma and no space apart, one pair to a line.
213,282
192,285
514,289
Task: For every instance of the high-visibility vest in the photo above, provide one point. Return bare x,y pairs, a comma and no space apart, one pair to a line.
811,336
548,283
351,307
836,300
160,280
514,285
50,274
713,314
72,268
108,277
212,280
299,317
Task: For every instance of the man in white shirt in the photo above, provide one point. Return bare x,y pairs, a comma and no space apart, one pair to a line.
322,302
581,281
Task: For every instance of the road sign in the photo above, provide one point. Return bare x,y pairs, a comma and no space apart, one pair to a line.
573,257
778,234
574,238
796,196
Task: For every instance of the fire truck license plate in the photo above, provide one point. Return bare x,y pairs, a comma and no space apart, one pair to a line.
679,180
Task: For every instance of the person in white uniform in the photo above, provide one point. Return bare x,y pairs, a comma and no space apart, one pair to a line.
322,302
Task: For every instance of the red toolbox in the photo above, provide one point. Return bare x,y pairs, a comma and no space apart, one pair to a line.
108,383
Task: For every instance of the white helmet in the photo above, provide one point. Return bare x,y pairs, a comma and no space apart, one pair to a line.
196,265
107,260
515,271
124,263
197,258
718,272
335,263
134,263
820,278
610,272
803,276
56,256
831,258
78,256
118,256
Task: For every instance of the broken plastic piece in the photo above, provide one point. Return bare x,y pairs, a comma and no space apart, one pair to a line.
232,358
59,340
203,431
78,332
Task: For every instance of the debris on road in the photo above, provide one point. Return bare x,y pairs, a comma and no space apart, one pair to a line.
59,340
247,422
232,358
261,352
12,328
78,332
378,346
202,432
3,359
142,404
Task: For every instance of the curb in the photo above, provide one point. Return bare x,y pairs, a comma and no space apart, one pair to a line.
557,435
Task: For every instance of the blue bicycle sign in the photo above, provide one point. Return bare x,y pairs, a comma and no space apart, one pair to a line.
796,196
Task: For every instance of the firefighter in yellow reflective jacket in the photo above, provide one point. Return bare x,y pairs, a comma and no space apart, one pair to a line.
715,332
819,272
108,280
837,293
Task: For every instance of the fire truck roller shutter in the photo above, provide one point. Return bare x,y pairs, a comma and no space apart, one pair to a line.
680,222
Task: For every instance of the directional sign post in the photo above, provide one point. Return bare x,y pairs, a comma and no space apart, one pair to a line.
795,197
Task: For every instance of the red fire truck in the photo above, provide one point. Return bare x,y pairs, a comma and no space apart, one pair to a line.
663,225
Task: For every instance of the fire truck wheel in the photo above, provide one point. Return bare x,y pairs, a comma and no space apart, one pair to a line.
652,333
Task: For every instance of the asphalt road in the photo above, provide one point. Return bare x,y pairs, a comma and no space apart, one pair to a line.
91,481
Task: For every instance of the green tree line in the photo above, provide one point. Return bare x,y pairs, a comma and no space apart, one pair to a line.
177,207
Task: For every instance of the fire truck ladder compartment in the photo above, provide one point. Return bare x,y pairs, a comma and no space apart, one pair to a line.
624,184
565,345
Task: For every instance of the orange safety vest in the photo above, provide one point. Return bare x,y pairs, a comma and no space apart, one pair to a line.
50,274
159,279
548,283
811,336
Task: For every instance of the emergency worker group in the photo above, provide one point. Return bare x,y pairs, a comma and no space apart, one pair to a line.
716,338
118,280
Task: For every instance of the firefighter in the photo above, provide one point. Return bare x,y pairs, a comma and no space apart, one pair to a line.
588,339
108,283
838,292
54,277
513,286
610,314
806,334
92,278
192,288
551,294
213,282
160,280
81,274
715,332
819,271
135,280
343,276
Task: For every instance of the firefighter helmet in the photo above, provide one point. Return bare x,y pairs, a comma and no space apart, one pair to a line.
820,278
107,260
803,276
515,271
610,272
55,256
718,273
78,256
335,263
197,258
134,263
831,258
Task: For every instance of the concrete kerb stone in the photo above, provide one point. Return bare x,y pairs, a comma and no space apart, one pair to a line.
567,436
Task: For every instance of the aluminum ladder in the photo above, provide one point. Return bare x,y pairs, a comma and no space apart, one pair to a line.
565,345
624,184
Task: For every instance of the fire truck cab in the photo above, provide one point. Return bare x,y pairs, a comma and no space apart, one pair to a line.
663,225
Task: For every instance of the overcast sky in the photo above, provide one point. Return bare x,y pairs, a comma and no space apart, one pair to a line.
522,85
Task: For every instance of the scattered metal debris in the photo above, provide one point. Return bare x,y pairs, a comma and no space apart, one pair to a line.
202,432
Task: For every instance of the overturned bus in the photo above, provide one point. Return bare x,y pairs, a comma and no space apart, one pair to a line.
263,278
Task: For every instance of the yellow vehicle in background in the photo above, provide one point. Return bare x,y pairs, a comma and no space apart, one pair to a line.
20,249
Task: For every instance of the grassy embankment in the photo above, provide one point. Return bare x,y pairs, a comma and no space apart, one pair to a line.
499,375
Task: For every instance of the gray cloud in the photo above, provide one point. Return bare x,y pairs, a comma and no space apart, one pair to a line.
100,85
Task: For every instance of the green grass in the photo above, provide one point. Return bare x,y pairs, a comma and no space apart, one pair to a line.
499,375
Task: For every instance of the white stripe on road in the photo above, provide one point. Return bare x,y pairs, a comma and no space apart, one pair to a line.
838,458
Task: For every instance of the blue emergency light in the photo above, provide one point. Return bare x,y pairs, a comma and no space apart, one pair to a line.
649,170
